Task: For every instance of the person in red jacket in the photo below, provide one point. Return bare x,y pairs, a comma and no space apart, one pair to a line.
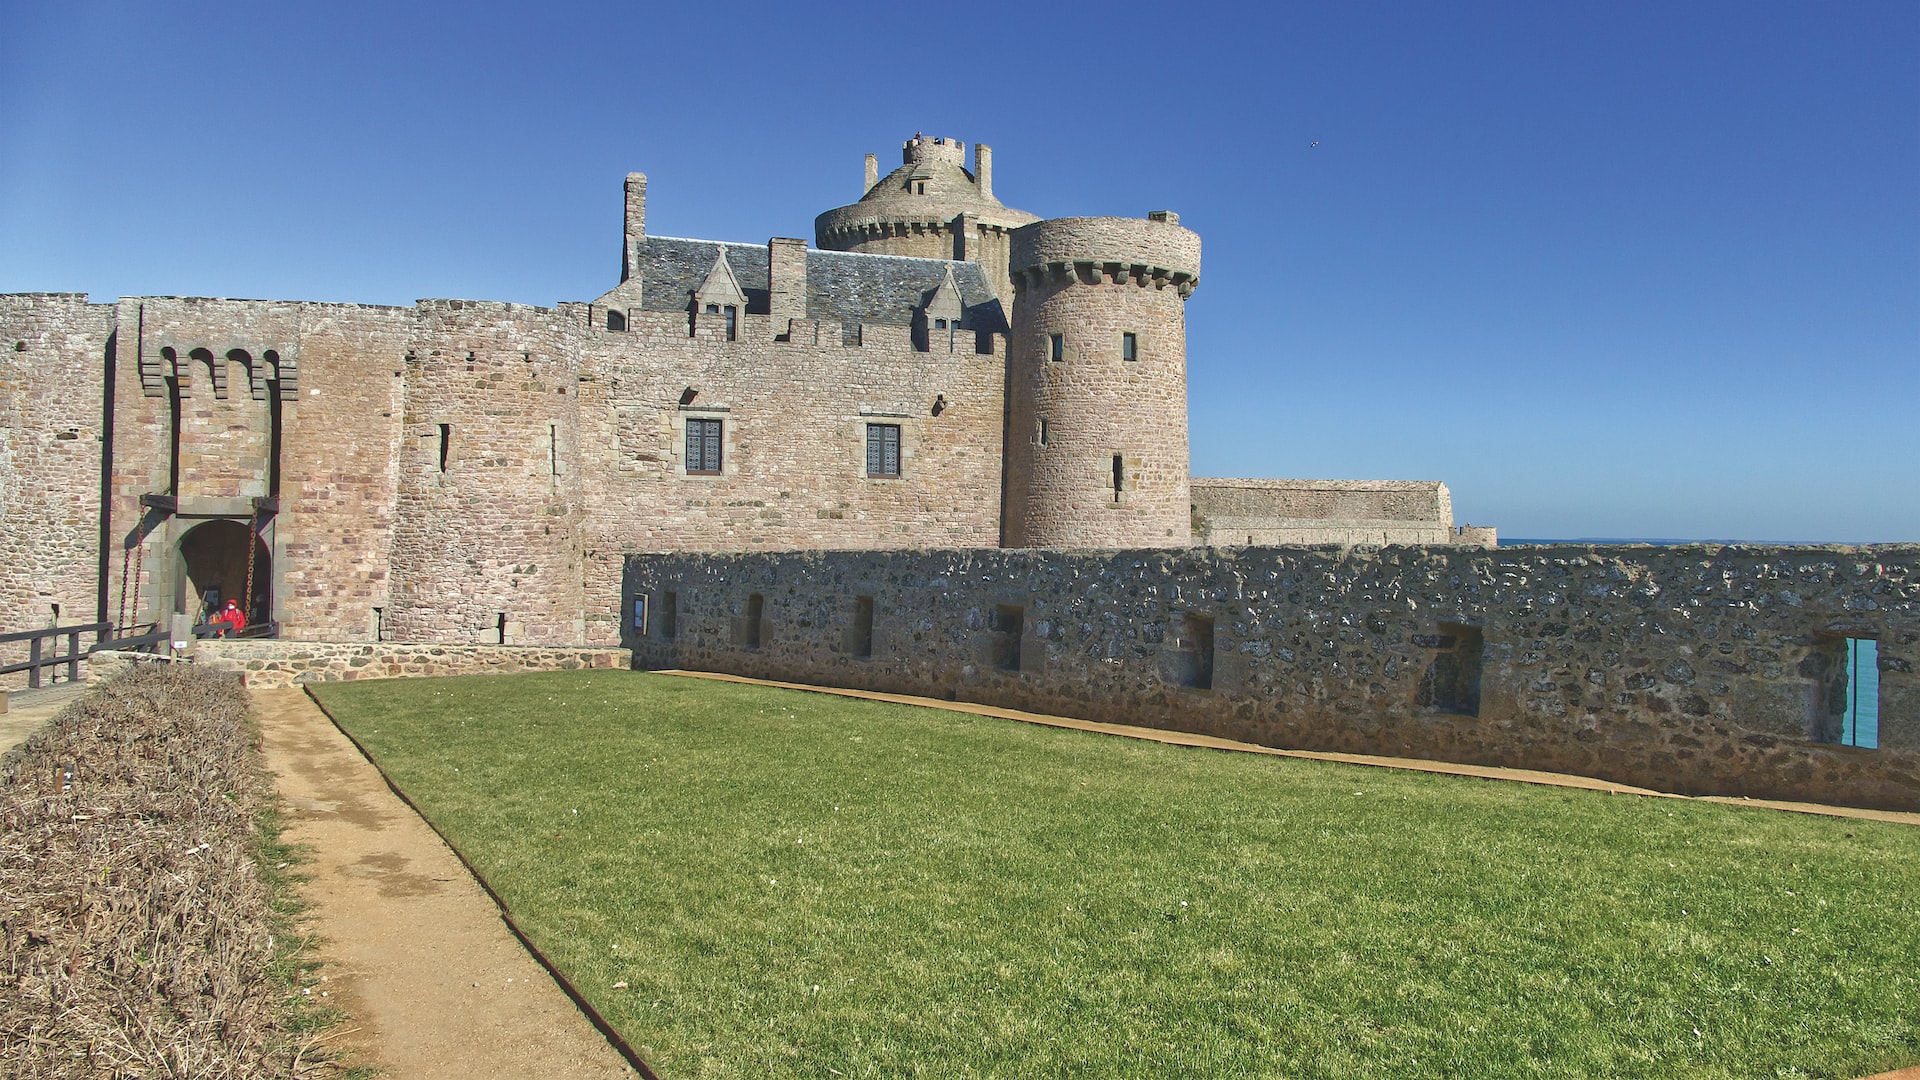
233,617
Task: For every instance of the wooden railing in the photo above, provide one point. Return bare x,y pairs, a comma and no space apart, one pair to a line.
38,658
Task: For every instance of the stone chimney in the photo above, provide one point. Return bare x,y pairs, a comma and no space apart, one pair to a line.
786,282
636,229
873,173
983,169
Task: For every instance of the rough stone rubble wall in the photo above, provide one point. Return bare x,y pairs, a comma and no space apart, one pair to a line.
274,664
1695,669
52,347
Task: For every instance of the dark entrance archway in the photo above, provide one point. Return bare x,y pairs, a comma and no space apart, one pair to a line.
213,558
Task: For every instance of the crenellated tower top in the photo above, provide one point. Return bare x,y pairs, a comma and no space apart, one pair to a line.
931,207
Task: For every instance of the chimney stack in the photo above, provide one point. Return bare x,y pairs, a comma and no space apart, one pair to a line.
873,173
636,227
983,168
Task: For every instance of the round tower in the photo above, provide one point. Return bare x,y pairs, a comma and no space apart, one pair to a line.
930,207
1097,407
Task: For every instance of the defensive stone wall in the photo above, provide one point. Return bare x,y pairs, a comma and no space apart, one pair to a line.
1377,512
52,437
1702,670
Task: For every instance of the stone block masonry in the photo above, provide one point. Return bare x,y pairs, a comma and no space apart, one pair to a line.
275,664
1699,670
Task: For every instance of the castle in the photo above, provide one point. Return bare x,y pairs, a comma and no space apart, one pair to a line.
938,371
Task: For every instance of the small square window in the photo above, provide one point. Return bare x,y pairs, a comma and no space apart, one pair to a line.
1129,346
1057,347
703,447
883,449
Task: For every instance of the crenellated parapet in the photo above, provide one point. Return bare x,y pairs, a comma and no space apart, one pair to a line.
1155,252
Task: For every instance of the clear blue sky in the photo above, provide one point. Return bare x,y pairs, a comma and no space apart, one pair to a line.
1606,269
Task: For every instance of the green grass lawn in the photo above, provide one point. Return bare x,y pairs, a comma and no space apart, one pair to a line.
808,886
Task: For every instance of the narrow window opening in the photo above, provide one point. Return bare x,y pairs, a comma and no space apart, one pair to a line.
1045,434
446,444
1119,476
1129,346
703,447
1190,649
553,449
500,627
379,624
1006,624
883,450
863,627
732,326
1056,347
1452,681
640,615
920,188
1851,692
669,614
749,635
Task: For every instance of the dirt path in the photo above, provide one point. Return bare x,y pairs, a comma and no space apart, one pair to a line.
28,709
417,954
1181,738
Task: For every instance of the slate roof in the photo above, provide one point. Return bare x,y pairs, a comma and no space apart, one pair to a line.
846,286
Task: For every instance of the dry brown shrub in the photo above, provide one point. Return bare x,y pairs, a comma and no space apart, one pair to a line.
136,921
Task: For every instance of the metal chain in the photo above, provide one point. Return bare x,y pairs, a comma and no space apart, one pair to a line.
139,560
126,561
253,540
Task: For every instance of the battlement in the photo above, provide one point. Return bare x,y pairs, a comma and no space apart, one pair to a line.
1152,251
921,149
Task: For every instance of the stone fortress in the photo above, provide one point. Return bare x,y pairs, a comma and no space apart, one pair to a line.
939,371
943,451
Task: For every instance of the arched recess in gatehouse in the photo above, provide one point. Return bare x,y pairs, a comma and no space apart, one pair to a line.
214,564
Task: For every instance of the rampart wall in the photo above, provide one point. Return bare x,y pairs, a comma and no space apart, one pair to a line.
1702,670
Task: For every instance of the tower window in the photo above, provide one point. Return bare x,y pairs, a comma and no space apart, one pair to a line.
1056,347
1129,346
883,449
1044,435
1119,477
703,447
446,441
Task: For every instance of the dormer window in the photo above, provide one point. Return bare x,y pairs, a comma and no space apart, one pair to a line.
920,187
732,321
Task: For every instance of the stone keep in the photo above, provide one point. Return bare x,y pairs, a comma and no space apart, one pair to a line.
1097,418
